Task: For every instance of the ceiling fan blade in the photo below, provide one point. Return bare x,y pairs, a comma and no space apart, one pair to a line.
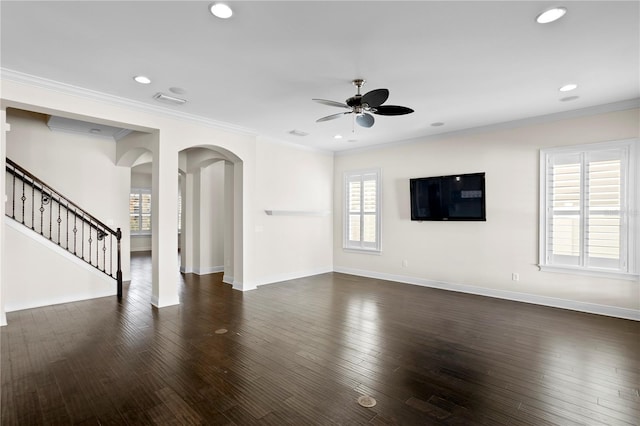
392,110
331,103
365,120
375,98
332,116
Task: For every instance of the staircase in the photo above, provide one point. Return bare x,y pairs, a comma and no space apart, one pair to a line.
36,205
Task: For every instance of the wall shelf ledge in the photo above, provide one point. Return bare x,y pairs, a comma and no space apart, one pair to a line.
298,212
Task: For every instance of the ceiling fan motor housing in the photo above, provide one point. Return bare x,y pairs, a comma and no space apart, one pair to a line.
354,101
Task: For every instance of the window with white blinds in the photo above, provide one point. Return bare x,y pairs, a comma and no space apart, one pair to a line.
362,210
140,211
587,217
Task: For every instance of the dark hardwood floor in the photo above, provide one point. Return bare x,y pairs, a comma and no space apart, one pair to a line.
302,352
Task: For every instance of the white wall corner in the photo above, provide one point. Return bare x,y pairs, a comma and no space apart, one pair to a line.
240,286
165,301
227,279
294,275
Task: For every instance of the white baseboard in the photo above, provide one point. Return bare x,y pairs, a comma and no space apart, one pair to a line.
573,305
3,319
240,286
294,275
227,279
138,249
208,270
165,301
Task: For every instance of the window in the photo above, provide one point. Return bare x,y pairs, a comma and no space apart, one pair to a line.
588,222
140,211
362,210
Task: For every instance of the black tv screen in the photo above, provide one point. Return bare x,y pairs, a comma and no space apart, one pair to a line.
455,197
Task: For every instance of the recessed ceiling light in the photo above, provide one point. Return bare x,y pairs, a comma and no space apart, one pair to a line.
221,10
142,79
551,15
337,137
568,87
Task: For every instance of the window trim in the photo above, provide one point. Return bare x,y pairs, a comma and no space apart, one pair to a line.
629,209
140,191
346,245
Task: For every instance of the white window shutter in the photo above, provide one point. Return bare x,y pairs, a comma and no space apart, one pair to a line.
588,201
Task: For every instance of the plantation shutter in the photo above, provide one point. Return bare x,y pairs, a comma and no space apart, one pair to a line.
362,210
586,224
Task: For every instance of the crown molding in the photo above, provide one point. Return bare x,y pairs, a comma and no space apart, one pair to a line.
539,119
118,101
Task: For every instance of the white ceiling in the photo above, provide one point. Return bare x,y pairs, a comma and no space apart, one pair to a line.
467,64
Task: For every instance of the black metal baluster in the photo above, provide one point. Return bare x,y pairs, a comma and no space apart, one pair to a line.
41,210
97,247
67,233
75,230
23,198
104,253
59,221
111,254
90,241
33,206
82,237
13,209
50,212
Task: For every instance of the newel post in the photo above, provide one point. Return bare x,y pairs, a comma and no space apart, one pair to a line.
119,272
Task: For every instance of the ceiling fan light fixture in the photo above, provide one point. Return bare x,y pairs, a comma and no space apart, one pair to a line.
551,15
220,10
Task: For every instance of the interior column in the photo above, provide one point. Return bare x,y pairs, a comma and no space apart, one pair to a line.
164,225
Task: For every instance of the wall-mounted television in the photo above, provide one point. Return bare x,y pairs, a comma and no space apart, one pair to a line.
454,197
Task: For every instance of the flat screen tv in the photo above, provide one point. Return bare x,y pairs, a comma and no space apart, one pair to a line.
455,197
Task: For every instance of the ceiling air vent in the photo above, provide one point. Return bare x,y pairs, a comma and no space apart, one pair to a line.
296,132
169,99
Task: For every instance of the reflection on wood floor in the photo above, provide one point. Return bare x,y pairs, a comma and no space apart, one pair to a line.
302,352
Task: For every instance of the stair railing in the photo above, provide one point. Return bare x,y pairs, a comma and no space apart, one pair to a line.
44,210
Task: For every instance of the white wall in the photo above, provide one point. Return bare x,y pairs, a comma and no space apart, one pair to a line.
293,179
41,273
208,217
480,254
82,167
300,245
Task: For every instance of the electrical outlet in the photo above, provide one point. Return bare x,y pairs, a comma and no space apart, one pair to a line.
405,263
515,276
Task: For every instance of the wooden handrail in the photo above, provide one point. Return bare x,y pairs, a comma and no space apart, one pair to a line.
67,200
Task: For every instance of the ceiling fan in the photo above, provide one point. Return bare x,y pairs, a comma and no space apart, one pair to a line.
362,105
